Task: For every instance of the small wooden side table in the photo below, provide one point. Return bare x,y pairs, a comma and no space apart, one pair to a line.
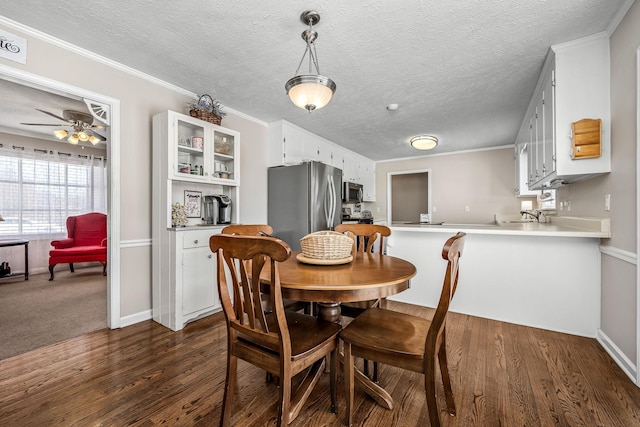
17,242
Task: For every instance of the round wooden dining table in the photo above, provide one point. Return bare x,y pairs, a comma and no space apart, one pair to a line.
368,276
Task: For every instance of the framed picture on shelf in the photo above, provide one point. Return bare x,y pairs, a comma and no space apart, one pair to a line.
192,202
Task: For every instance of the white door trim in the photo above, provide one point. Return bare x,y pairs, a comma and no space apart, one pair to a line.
113,167
638,215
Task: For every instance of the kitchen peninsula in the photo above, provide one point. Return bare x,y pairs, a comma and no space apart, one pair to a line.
544,275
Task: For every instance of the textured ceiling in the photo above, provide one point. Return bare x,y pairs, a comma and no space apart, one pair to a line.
461,70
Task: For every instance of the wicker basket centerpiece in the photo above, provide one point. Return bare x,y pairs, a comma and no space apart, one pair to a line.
326,245
208,109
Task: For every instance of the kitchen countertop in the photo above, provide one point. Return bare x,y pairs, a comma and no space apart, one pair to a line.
555,227
198,227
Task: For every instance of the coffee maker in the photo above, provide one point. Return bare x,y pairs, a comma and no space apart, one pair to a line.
224,208
211,210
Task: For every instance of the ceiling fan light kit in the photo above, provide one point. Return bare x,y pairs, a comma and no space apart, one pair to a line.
80,122
310,91
424,142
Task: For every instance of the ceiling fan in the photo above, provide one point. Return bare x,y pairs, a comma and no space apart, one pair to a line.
80,122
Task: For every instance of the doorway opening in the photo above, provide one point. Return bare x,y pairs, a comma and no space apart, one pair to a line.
409,196
112,108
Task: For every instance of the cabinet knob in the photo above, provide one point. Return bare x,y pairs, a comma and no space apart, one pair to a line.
209,256
195,241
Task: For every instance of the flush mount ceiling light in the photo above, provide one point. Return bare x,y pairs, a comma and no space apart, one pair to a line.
424,142
310,91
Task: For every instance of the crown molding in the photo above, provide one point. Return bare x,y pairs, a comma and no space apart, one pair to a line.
32,32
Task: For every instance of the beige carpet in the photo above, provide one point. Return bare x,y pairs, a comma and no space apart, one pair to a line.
37,313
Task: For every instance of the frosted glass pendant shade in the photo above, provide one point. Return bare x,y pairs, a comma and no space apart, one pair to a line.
310,92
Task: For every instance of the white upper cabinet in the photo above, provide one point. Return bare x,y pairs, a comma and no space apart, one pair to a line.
198,151
522,169
291,145
573,85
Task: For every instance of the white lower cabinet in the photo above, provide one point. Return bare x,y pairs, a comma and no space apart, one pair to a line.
198,280
185,286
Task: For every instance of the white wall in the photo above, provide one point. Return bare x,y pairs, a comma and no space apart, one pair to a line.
620,311
483,180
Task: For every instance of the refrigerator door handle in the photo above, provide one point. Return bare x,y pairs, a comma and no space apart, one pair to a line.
329,202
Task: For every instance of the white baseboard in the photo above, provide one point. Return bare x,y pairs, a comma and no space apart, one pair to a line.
618,356
132,319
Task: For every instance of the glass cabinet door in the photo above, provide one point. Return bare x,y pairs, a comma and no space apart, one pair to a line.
225,156
190,150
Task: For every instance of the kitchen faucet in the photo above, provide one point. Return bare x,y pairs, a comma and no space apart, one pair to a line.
533,214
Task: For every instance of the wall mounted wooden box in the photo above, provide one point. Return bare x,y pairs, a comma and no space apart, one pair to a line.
587,138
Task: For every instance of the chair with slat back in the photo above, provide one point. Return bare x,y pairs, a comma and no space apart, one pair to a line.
366,238
248,229
265,230
405,341
284,343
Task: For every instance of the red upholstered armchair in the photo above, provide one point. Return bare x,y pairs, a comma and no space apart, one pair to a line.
86,242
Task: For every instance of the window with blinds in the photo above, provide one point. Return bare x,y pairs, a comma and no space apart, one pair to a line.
39,189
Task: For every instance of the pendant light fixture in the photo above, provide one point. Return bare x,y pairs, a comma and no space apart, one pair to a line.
310,91
424,142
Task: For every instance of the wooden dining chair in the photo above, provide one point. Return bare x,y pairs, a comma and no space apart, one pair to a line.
366,238
405,341
265,230
248,229
283,343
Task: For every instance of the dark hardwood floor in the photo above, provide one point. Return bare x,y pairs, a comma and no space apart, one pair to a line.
147,375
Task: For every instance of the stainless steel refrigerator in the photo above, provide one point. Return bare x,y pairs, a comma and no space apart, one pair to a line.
303,199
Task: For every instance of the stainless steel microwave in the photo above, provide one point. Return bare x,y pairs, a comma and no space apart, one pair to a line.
352,193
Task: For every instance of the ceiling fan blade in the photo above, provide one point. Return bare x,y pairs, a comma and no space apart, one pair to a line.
43,124
52,115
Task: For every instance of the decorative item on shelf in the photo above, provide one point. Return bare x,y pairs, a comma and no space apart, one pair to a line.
223,146
208,109
197,142
192,201
178,215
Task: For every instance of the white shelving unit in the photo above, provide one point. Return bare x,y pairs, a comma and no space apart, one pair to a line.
189,155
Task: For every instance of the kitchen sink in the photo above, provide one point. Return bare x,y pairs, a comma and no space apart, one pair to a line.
516,221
